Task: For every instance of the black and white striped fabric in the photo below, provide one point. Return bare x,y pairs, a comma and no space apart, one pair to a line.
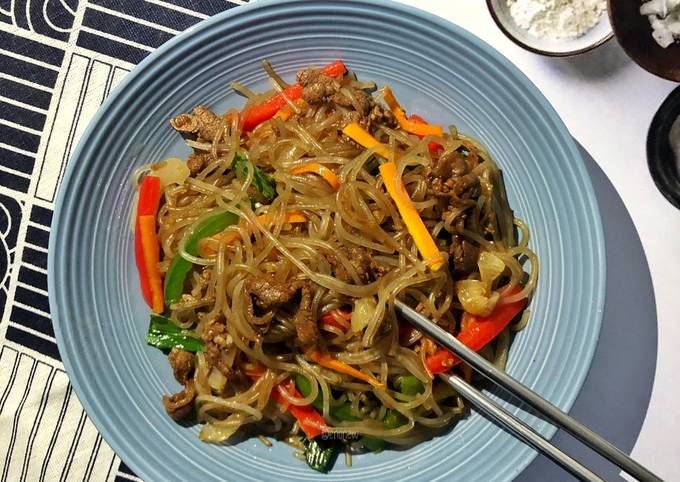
59,59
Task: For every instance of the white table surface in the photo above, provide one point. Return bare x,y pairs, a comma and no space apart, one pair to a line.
607,102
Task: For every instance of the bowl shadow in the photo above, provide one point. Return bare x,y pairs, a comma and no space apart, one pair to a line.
599,63
616,393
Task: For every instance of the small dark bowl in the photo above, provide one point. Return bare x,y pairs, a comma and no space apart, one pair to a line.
566,47
634,33
664,161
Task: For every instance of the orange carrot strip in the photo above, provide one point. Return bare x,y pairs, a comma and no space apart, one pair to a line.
395,187
417,128
151,252
321,170
342,367
363,138
287,111
414,223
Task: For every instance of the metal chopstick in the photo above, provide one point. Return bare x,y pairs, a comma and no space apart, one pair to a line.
519,428
524,393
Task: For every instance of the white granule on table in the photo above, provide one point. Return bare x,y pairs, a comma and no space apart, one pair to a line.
556,19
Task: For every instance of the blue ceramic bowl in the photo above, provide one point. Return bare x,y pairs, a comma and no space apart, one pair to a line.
438,70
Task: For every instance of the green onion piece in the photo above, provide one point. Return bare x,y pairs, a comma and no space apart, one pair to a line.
304,386
372,165
393,419
373,444
321,454
262,181
410,385
164,334
344,413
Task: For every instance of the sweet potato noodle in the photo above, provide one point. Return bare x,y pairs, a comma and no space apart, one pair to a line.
283,249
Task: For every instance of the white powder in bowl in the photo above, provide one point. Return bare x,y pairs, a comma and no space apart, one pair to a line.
556,19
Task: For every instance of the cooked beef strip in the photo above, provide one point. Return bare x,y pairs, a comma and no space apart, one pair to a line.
379,115
216,340
349,117
449,176
265,293
361,103
182,363
304,320
201,122
180,404
198,161
464,254
363,109
317,87
268,293
361,260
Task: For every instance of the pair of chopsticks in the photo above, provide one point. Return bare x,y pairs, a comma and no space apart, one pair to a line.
531,398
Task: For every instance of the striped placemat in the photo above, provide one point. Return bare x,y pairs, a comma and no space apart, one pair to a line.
59,59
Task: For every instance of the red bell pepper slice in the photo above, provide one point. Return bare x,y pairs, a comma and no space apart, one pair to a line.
147,205
311,422
330,319
477,333
434,147
253,116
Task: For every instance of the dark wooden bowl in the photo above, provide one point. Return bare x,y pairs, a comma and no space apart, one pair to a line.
634,33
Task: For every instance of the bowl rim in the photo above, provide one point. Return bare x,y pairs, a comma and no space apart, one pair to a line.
546,53
599,267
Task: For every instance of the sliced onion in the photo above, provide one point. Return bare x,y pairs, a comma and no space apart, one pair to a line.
217,380
364,308
171,171
473,295
490,268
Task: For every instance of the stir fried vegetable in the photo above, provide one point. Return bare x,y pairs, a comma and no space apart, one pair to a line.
164,334
433,146
418,128
339,411
416,227
147,205
171,171
410,385
364,308
180,267
321,170
321,454
310,421
151,253
291,217
339,318
478,332
253,116
262,181
393,419
342,367
359,135
395,187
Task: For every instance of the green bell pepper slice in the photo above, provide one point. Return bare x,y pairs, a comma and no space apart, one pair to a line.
180,267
